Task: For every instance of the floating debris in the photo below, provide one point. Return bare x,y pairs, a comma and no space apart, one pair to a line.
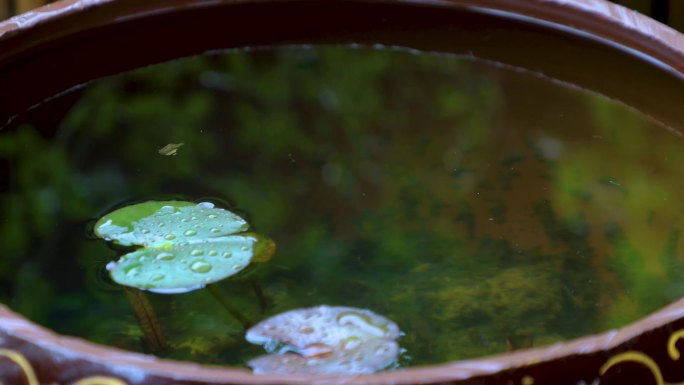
170,149
325,340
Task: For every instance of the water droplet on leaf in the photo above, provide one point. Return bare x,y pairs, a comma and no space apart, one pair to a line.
201,267
190,233
165,256
167,209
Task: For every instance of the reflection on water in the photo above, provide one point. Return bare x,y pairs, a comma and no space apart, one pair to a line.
480,208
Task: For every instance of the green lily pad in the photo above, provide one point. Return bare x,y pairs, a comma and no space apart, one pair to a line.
156,223
184,266
185,246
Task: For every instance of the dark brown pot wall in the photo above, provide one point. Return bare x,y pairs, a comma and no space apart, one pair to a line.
85,40
49,50
646,352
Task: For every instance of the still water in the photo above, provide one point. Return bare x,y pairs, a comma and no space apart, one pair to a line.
481,208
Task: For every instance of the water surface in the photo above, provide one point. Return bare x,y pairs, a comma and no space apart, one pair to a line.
482,208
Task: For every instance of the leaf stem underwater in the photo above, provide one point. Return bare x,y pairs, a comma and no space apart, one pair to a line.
147,318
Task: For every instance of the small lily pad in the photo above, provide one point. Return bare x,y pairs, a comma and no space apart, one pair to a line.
325,340
185,245
184,266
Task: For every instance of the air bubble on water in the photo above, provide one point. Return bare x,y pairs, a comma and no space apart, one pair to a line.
201,267
145,231
190,233
207,205
185,220
237,267
160,224
227,254
213,253
196,252
193,218
211,216
165,257
215,230
169,237
244,248
182,243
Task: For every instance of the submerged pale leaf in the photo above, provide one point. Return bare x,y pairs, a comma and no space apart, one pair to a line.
185,245
370,357
325,340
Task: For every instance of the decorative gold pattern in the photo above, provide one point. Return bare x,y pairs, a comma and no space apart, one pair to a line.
632,356
100,380
641,358
23,363
671,342
31,378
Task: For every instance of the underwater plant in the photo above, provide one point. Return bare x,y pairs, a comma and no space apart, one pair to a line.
183,246
325,340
